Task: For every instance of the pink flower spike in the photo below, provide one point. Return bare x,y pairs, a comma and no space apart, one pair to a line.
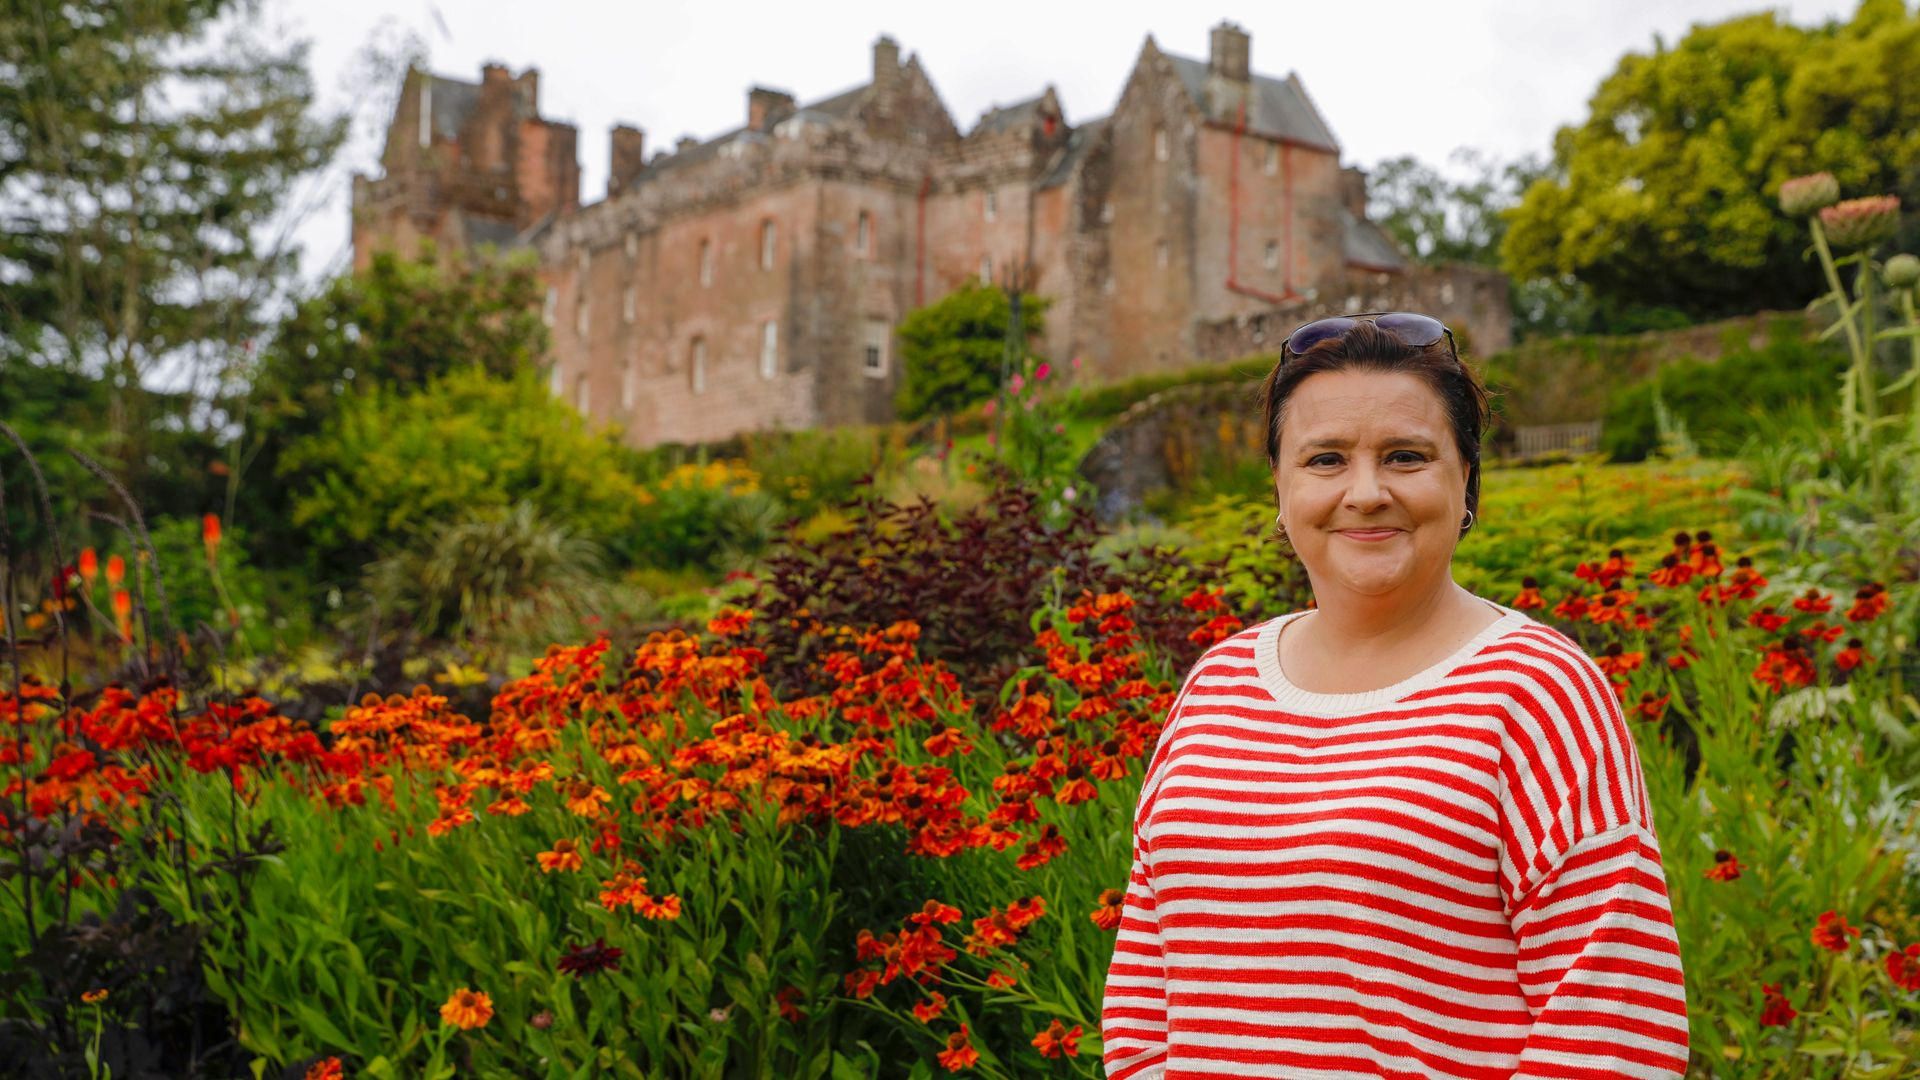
1018,384
1076,363
990,407
1040,373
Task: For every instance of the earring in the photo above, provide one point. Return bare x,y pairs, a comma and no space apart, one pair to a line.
1469,523
1280,532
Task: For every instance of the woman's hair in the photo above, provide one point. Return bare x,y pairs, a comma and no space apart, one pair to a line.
1367,348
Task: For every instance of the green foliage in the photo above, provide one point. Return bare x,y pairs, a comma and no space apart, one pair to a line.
707,516
1440,220
1665,194
1111,399
1724,403
952,350
236,604
393,464
813,470
505,582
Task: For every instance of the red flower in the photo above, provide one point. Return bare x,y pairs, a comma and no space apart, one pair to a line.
1813,602
1725,867
1049,846
1832,932
1000,980
210,534
1572,608
1057,1041
1820,631
1615,660
325,1069
1776,1012
926,1011
1852,656
1112,905
1529,598
1869,603
1767,619
1672,572
1650,707
1904,967
583,960
935,912
959,1054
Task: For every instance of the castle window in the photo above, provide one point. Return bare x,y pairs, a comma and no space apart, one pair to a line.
552,304
697,365
556,380
1272,163
874,348
769,239
1106,213
580,392
1273,255
628,304
633,245
583,261
629,383
992,206
1160,254
706,262
580,317
769,349
1446,292
986,268
1161,151
863,234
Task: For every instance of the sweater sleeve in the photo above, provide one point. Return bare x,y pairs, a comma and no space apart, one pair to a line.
1599,964
1133,1012
1585,893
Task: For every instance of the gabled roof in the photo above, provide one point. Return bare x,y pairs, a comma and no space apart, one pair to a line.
1276,107
1021,114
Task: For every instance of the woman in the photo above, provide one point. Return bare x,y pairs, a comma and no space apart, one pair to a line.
1404,833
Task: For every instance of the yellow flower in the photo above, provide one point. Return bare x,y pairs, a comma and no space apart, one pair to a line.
467,1009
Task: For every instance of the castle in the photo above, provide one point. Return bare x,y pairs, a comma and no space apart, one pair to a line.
755,280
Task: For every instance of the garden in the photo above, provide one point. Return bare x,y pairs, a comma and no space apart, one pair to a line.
397,723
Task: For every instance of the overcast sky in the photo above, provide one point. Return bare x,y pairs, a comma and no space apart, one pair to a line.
1400,77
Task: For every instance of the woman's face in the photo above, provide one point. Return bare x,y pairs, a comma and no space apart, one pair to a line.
1371,486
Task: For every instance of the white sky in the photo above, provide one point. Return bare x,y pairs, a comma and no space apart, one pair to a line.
1392,76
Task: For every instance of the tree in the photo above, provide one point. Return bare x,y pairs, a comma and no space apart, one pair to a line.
1440,220
146,147
953,349
398,325
1664,196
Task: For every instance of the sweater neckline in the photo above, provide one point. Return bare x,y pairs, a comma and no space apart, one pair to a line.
1266,660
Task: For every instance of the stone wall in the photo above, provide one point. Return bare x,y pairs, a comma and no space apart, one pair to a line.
1164,442
1471,300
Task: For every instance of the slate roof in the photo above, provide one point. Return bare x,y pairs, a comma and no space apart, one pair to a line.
1079,141
1368,244
1013,117
1276,107
450,102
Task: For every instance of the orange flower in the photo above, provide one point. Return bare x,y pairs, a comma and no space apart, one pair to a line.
467,1009
1112,905
511,806
94,997
658,907
210,534
1852,656
1057,1041
89,566
1529,597
1813,602
1725,867
1023,913
122,609
586,799
1001,980
1050,845
926,1011
116,571
959,1054
935,912
1869,603
564,856
1651,707
325,1069
1832,932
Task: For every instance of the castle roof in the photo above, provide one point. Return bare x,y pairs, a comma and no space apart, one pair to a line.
1079,141
1277,108
1367,244
450,102
1021,114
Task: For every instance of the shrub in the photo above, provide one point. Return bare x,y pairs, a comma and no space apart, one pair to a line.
952,350
1723,404
393,465
812,470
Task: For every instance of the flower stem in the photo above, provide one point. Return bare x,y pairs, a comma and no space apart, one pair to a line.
1839,294
1913,371
1869,395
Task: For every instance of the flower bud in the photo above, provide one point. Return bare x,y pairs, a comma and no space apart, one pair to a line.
1902,271
1861,223
1804,196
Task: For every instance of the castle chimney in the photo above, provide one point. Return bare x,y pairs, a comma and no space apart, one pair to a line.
1353,191
1229,58
492,73
886,60
685,143
766,108
629,157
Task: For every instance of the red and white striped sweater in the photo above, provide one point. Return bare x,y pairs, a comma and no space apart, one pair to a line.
1454,876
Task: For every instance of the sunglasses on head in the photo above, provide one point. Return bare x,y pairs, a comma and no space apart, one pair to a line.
1409,328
